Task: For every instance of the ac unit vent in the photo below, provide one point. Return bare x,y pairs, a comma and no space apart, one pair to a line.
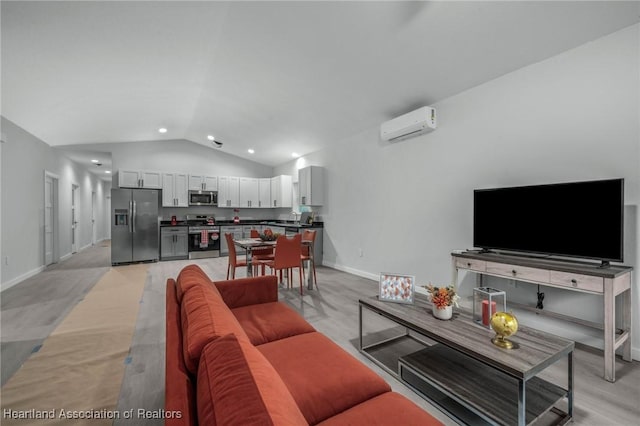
414,123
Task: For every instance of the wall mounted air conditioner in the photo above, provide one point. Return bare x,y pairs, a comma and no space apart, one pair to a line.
414,123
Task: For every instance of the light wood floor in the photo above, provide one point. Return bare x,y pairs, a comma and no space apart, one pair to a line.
34,307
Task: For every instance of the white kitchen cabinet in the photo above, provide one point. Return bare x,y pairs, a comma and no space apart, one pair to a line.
175,191
249,192
264,193
228,191
281,187
139,179
311,186
203,183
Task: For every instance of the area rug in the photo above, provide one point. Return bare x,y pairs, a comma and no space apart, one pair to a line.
75,377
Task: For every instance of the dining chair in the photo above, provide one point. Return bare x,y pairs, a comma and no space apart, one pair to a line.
234,262
258,254
309,237
288,255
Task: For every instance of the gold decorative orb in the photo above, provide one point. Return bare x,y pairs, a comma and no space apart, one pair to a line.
505,325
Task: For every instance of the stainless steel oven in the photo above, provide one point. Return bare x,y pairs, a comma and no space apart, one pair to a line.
203,198
204,237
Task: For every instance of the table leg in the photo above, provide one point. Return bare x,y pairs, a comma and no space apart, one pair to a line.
249,264
522,399
626,324
309,274
609,331
360,327
570,385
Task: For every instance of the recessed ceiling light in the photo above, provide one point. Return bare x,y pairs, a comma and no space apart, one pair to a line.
210,137
107,171
95,161
162,130
250,151
295,155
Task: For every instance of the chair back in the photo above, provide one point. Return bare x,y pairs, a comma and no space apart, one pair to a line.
232,249
255,233
288,252
308,235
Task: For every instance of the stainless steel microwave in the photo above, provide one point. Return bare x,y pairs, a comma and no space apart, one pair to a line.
203,198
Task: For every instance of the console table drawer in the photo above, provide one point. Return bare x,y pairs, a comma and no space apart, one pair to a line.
518,272
577,281
471,264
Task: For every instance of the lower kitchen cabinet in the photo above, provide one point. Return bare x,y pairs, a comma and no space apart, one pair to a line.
174,243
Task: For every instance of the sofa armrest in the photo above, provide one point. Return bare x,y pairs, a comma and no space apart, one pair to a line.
248,291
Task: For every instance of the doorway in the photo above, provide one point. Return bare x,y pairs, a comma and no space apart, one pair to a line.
93,218
51,253
74,218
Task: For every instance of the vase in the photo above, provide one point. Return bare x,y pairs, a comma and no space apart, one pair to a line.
443,313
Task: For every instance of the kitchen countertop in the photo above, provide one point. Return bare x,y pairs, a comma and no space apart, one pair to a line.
289,224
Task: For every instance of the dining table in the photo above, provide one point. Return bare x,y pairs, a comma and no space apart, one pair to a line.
250,244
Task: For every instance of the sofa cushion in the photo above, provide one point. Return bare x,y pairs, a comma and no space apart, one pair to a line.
179,388
190,276
248,291
238,386
267,322
323,378
390,408
204,317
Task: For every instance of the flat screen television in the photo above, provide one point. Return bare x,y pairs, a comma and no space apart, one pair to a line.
578,219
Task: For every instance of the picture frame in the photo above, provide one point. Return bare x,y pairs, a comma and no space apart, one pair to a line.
397,288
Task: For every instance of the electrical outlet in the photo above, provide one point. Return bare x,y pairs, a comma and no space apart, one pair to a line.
360,252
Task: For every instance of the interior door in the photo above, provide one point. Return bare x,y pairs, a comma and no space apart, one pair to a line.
93,218
48,220
74,219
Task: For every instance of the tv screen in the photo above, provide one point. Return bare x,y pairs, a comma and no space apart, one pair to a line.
579,219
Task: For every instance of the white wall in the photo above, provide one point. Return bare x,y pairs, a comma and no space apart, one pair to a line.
25,159
407,205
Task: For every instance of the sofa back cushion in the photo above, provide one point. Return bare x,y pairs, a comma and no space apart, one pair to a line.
204,317
190,276
179,388
237,386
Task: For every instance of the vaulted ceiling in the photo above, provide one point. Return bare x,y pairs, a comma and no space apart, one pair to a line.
277,77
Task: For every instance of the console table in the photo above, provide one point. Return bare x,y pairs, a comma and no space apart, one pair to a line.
461,371
609,282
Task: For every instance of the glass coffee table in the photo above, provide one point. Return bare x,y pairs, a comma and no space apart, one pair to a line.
454,365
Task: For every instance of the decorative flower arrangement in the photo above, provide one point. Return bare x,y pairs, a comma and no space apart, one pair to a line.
441,297
269,235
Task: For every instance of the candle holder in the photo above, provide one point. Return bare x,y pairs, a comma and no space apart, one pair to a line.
486,302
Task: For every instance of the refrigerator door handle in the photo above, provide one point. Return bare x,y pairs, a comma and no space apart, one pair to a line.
133,219
130,216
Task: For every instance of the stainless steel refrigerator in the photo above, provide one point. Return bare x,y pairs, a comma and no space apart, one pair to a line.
134,225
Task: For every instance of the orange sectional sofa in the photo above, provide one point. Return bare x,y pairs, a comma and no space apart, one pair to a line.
237,356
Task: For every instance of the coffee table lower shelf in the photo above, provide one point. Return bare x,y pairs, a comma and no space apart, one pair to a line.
488,393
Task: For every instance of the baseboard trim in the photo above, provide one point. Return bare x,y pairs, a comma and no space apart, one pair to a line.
65,257
7,285
363,274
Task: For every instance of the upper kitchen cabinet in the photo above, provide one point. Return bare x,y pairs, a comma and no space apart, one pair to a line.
281,191
139,179
249,192
175,192
203,183
228,191
311,186
264,192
